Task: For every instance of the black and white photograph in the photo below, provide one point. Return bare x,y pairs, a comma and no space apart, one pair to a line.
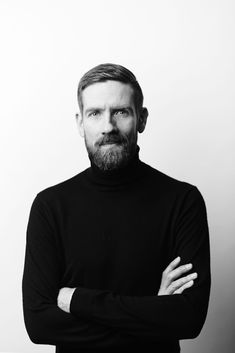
118,170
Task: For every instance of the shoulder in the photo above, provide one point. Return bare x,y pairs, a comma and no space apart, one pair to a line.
163,180
61,191
169,186
183,199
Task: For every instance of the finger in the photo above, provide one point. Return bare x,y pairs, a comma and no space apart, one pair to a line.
172,265
179,271
181,281
185,286
174,274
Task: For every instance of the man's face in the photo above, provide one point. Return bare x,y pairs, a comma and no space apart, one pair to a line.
109,123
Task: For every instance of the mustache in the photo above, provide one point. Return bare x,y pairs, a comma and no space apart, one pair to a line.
112,139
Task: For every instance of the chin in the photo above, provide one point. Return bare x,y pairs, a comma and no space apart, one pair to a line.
111,157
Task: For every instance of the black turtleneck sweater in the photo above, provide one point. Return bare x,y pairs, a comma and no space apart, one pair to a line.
111,234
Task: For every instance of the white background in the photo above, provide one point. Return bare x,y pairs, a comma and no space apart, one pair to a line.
183,55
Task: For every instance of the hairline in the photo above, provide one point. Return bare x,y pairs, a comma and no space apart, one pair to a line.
80,101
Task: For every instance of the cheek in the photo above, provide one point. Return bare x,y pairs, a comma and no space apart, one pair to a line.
90,131
127,126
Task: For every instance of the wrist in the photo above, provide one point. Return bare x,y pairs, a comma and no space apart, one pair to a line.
64,298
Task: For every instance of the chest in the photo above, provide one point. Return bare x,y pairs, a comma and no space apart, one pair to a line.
117,243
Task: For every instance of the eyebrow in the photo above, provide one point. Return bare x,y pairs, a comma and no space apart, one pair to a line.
91,109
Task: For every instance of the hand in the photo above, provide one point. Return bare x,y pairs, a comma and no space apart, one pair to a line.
64,298
171,283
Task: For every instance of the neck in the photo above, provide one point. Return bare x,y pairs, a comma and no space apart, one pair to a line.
115,177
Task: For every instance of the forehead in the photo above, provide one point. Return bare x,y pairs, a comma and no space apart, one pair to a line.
111,93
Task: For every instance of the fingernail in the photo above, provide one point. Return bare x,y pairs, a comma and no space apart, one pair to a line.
194,275
189,265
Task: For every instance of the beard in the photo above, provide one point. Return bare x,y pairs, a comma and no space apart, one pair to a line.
107,156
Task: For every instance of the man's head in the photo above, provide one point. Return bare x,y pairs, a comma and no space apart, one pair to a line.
111,114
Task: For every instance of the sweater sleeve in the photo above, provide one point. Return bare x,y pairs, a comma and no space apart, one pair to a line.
45,322
178,316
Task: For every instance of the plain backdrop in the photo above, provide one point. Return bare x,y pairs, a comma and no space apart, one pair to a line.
183,55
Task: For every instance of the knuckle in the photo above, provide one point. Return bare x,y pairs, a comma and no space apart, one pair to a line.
179,290
189,284
181,281
181,269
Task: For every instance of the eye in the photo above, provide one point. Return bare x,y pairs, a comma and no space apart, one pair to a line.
93,113
121,112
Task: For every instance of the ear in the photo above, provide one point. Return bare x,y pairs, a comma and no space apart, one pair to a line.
79,121
142,119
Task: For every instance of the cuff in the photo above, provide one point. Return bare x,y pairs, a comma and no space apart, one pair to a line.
82,302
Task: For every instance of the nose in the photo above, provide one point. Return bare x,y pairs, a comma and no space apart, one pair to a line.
109,123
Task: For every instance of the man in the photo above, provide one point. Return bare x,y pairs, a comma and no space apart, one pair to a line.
117,256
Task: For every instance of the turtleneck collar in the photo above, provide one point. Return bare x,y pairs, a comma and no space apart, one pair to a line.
117,177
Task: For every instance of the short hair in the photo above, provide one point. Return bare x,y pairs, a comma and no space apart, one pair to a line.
114,72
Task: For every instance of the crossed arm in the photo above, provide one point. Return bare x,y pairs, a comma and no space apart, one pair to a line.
171,283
